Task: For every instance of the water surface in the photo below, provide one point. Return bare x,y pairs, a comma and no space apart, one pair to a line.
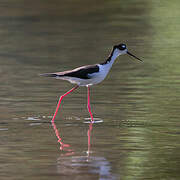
138,103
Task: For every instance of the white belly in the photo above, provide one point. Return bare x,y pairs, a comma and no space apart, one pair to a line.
82,82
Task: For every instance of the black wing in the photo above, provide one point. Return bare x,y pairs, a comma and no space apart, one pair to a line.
81,72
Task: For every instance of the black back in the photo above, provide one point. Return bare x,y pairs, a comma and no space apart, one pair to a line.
82,72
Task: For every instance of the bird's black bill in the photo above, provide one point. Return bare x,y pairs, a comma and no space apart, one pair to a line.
133,56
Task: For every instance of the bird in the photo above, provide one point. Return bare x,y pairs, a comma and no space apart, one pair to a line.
89,75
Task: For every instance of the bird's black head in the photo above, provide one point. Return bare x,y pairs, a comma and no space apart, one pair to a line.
121,47
123,50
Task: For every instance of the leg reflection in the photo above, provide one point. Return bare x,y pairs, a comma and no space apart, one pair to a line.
89,137
66,147
63,147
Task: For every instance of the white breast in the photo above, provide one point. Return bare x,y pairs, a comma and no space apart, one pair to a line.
100,76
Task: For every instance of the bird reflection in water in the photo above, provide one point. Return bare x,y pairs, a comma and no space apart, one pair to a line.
66,147
70,165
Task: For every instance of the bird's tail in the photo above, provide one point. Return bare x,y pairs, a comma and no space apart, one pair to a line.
49,75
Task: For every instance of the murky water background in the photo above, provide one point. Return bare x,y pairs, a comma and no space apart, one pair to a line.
138,103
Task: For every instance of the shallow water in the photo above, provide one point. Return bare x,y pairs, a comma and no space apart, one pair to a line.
137,106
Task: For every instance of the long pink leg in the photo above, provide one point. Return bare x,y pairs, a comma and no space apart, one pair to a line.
59,102
89,106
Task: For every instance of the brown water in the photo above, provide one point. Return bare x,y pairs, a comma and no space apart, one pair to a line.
138,103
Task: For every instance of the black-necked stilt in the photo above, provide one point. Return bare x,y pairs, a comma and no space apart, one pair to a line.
89,75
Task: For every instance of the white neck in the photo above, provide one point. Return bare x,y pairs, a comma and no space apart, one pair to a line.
115,54
106,66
